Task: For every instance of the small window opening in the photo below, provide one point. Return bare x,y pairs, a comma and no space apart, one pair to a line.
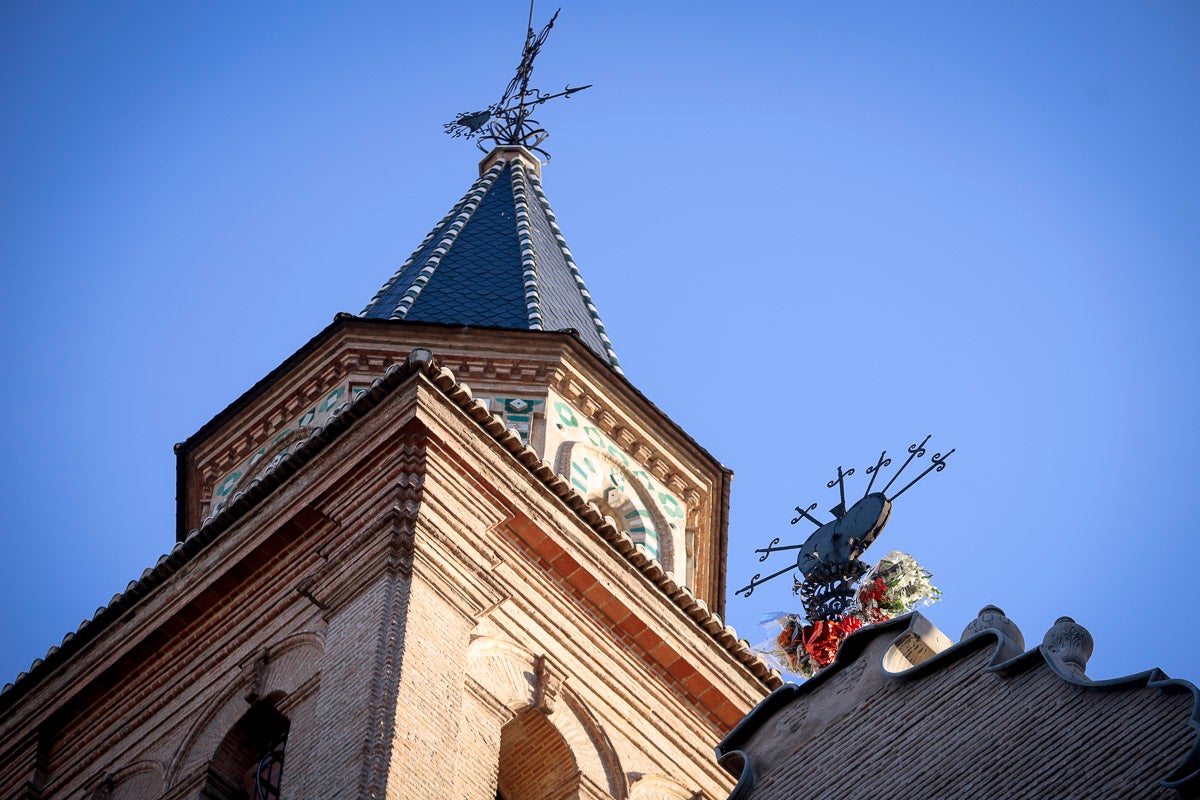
535,761
248,765
262,780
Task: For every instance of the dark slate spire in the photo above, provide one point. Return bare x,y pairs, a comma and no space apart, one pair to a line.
497,260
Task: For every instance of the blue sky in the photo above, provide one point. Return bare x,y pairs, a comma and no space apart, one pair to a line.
813,232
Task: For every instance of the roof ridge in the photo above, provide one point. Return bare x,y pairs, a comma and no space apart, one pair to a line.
498,258
474,198
428,238
533,304
598,323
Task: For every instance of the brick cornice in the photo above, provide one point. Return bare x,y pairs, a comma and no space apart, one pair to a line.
554,486
386,547
440,563
421,372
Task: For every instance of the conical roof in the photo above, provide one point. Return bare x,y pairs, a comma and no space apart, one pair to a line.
498,259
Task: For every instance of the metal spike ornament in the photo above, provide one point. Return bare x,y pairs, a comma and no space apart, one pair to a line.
507,121
828,561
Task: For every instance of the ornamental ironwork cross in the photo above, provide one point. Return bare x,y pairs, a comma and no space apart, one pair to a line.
828,561
508,120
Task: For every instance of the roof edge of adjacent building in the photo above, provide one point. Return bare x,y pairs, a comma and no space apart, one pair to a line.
1064,651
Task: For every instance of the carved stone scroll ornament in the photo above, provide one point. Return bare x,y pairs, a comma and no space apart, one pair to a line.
256,677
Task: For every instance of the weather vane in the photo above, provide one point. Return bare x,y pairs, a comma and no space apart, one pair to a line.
828,560
507,121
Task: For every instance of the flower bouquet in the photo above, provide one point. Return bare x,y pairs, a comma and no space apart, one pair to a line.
892,587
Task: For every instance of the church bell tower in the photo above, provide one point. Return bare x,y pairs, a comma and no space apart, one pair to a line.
518,558
444,550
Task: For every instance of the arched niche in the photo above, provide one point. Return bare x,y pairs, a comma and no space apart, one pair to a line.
658,787
278,672
248,763
535,761
648,512
142,780
525,685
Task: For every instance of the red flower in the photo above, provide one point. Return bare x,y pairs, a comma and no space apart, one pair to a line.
875,593
869,599
822,639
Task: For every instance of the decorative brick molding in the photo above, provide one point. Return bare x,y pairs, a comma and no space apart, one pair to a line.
347,543
388,545
137,781
548,683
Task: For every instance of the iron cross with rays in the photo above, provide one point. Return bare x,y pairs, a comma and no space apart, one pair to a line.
828,560
507,121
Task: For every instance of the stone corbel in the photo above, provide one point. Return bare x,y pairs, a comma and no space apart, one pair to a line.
550,678
589,406
257,675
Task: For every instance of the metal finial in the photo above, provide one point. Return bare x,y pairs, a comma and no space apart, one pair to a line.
828,560
507,121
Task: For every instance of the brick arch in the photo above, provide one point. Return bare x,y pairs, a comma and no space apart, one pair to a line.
577,721
509,673
262,729
142,780
658,787
276,671
291,662
505,670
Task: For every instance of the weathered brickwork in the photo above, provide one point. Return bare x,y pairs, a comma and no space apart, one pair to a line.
429,611
423,613
952,728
